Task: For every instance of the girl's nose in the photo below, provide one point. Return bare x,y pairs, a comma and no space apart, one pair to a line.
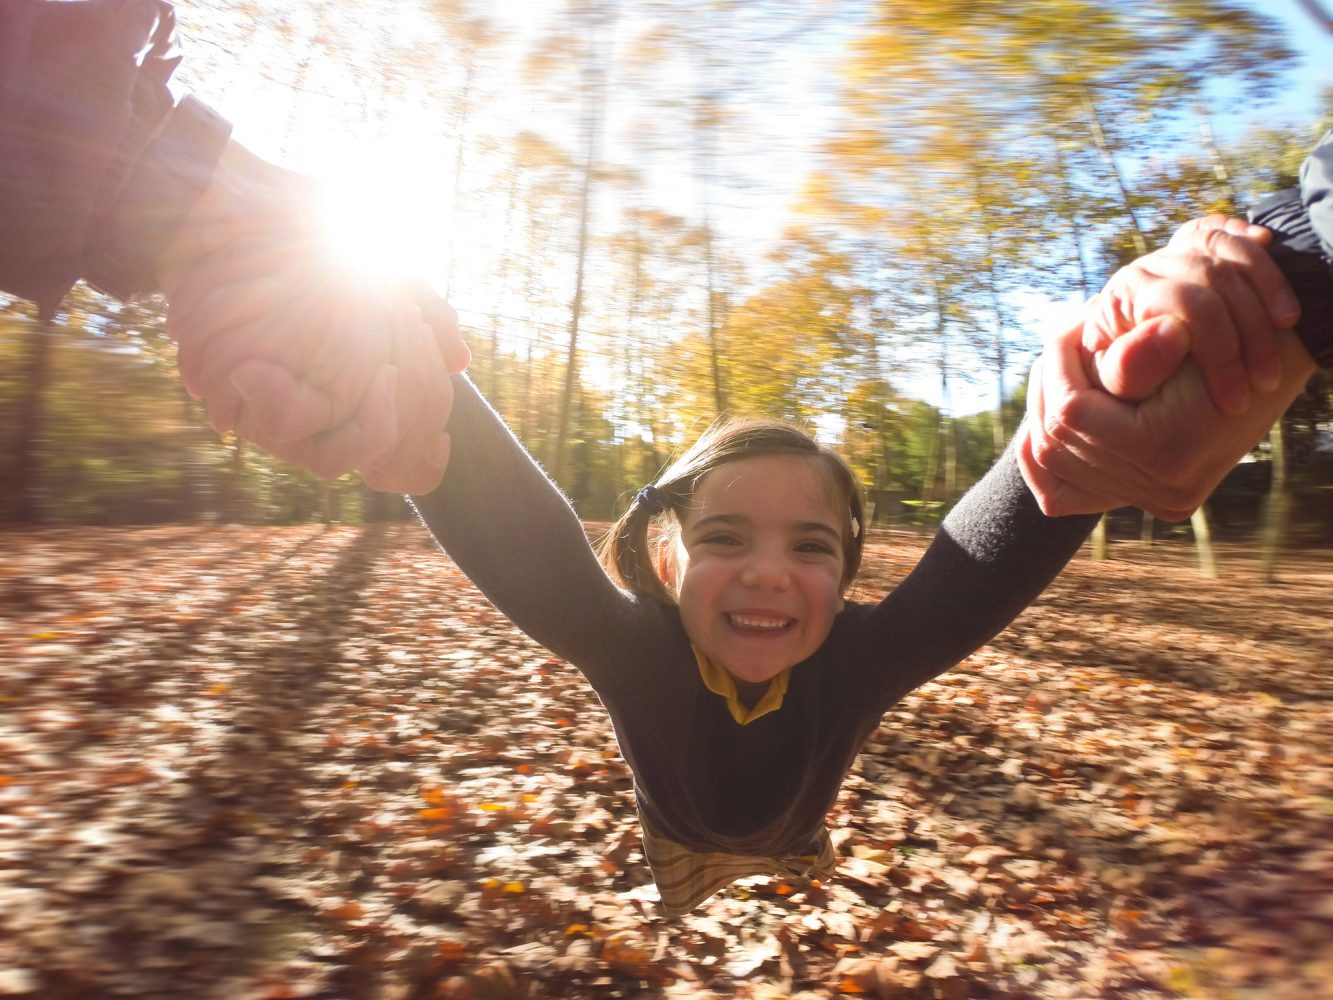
767,571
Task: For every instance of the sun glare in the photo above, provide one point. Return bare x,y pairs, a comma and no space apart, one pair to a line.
388,205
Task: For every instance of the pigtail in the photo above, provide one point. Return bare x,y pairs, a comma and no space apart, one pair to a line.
627,553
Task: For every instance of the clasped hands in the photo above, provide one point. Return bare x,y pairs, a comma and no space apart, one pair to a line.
325,368
1173,373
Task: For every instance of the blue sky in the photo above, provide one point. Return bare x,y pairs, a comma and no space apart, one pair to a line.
1298,103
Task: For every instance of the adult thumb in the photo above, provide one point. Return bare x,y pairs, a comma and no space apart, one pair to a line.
1137,363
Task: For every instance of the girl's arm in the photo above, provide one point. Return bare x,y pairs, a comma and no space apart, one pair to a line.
513,533
995,552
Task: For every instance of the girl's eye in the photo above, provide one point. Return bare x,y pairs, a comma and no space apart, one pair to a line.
720,539
822,548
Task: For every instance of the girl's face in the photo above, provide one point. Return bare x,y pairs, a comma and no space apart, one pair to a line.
758,564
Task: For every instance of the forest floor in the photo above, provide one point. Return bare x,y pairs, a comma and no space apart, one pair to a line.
257,763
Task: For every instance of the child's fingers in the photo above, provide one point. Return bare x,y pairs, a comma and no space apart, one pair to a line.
371,431
443,321
416,465
1192,232
416,359
1243,245
279,407
418,479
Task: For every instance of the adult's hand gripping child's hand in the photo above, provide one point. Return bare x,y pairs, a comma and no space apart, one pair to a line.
1179,423
298,354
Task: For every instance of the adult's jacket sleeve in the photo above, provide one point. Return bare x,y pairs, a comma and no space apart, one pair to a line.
1302,223
1317,191
82,86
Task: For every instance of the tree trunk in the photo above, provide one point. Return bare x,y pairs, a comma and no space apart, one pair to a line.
932,465
1147,530
950,458
1316,10
593,114
328,508
27,504
1098,539
501,282
1075,222
999,437
714,348
1203,541
235,501
1275,506
195,498
1108,155
703,131
463,111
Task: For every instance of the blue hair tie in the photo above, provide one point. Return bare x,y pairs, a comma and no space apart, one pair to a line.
652,498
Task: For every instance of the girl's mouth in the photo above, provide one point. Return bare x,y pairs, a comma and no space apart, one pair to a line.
757,622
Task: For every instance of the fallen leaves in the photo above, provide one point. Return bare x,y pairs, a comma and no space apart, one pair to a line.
311,762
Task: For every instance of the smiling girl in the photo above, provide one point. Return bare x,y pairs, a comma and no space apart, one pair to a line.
740,682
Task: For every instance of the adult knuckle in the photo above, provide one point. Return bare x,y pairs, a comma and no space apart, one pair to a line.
1045,450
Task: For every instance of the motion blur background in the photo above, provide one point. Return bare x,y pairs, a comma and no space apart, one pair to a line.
858,215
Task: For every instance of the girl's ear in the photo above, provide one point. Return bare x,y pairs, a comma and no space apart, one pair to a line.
666,560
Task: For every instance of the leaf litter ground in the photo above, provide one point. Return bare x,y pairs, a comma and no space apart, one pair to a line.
313,762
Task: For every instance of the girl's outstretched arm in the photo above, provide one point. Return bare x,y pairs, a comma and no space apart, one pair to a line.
994,553
513,533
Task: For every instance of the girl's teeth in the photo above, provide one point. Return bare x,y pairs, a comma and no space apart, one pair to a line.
746,621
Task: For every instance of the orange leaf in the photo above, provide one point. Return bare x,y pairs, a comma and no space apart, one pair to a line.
348,911
452,951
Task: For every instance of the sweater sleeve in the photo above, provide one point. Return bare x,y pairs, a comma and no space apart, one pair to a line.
82,84
995,552
512,532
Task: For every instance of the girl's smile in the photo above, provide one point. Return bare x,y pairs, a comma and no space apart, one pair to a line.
758,564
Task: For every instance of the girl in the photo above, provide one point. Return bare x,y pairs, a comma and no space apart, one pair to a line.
740,682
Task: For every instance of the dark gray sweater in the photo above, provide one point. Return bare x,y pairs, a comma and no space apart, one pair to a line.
702,779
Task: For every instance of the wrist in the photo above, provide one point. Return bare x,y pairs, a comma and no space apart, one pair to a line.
246,197
145,210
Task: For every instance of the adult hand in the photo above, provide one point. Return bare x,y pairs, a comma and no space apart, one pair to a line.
1213,292
1083,451
298,354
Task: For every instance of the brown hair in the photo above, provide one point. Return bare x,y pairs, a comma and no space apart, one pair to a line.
626,551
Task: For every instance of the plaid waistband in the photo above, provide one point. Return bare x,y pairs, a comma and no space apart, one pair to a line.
685,878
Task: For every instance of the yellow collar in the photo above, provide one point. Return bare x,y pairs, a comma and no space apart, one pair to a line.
717,680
